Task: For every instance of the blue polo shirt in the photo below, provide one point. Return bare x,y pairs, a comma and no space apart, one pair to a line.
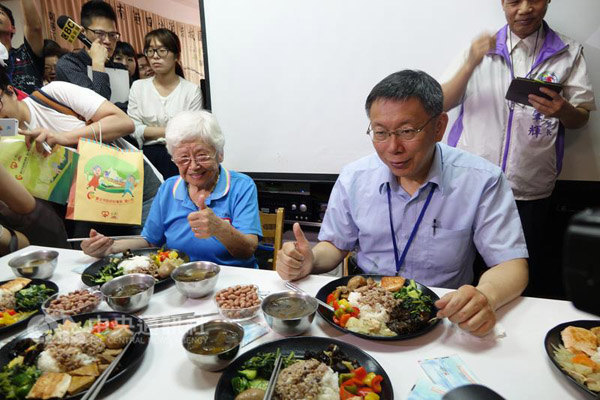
234,199
472,208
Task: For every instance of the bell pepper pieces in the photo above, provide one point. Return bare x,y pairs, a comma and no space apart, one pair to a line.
376,383
360,373
372,396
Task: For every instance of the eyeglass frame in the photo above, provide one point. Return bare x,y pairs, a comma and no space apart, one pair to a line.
156,51
414,132
207,157
101,34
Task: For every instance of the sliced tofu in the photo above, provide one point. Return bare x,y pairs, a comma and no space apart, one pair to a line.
16,284
578,340
88,370
112,352
79,383
50,385
392,283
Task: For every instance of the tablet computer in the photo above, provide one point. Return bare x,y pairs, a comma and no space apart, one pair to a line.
521,88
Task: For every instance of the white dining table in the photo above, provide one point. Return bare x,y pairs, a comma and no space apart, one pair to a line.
513,363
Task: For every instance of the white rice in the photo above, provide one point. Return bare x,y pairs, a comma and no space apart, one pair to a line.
135,262
47,363
328,388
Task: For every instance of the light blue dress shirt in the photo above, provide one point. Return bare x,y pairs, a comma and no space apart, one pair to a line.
472,208
234,199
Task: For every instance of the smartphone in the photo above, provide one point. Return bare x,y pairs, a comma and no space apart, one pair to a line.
8,126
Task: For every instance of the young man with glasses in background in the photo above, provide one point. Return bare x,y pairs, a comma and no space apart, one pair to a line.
420,209
100,23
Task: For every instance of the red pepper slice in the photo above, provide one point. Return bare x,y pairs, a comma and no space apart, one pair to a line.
360,373
344,394
376,383
336,320
344,321
365,391
11,312
330,299
335,305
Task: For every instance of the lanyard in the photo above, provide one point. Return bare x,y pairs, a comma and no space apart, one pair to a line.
400,261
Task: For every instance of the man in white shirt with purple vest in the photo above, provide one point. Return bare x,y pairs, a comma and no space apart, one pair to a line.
527,142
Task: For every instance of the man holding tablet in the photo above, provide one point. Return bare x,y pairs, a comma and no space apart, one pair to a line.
525,140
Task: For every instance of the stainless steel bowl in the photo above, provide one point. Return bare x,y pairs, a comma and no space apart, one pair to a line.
38,264
128,304
213,362
290,326
195,289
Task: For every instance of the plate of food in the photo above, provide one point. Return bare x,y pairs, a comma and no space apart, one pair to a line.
379,307
152,261
21,299
574,349
62,359
311,366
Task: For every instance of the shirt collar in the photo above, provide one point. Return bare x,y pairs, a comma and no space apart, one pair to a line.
180,189
529,42
434,176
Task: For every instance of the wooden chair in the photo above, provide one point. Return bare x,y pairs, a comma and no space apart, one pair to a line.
272,228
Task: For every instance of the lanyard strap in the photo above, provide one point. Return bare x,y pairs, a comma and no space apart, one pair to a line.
400,261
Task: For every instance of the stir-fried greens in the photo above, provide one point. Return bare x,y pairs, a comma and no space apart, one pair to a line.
32,297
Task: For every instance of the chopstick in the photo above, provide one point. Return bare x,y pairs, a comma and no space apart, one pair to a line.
45,145
295,288
99,383
174,320
111,237
273,381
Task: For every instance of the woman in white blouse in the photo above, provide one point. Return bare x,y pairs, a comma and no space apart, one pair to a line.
154,101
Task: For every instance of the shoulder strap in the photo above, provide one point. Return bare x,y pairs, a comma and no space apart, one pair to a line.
40,97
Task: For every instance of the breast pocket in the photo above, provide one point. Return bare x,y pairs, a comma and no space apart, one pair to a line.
448,249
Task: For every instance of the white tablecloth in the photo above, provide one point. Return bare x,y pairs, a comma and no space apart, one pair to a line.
516,366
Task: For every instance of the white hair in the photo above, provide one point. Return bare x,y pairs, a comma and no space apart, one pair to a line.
191,126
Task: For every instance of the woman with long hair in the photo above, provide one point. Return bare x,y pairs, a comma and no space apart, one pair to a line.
125,54
154,101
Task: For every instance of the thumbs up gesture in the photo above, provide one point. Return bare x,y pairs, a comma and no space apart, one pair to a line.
204,223
295,259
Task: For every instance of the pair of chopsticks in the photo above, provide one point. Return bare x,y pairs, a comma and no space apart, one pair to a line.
111,237
168,321
295,288
273,381
99,383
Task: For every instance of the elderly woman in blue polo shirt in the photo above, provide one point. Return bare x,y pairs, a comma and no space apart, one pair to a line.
207,211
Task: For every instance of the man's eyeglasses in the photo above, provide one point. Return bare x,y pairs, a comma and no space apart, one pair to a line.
199,159
380,135
100,34
161,51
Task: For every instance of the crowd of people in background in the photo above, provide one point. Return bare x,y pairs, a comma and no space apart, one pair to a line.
189,195
158,92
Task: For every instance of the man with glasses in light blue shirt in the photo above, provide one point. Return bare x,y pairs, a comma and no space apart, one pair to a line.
420,209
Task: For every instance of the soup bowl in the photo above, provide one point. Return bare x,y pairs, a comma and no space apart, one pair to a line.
289,313
128,302
196,279
212,354
38,264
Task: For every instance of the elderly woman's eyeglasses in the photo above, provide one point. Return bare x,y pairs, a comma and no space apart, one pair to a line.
199,159
380,135
161,51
